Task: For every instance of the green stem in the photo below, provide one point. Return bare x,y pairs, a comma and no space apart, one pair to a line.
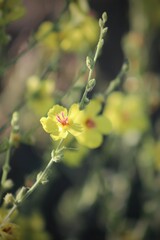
9,214
39,180
99,46
91,66
59,145
6,167
35,185
118,80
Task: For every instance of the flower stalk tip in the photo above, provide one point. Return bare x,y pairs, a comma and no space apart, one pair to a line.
90,62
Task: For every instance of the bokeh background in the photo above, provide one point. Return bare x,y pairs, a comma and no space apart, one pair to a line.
108,193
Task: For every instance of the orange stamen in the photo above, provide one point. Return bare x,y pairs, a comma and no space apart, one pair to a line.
61,118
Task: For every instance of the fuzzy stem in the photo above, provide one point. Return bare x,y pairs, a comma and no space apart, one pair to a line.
91,67
38,181
6,167
118,80
35,185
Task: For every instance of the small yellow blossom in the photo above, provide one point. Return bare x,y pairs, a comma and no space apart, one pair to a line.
79,28
77,31
32,227
126,112
94,125
60,122
47,36
81,37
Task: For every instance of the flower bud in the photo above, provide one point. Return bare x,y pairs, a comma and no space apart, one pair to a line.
21,193
14,121
15,139
100,44
9,199
104,17
89,62
43,179
104,31
86,101
8,184
91,85
101,24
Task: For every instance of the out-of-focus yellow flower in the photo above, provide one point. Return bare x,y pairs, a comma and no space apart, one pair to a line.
40,94
133,44
80,37
60,122
32,227
126,112
77,32
94,125
80,31
47,36
8,230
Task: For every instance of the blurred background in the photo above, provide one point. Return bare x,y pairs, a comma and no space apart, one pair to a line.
108,193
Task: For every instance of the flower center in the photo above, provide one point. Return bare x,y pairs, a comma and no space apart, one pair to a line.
61,118
7,230
90,123
126,116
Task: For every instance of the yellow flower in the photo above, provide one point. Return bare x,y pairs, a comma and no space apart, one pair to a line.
77,32
32,227
47,36
126,112
94,125
81,37
8,230
60,122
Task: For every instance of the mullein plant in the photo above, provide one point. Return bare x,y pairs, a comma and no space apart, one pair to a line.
84,121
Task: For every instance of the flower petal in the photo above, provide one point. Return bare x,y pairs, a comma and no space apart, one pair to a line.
59,136
75,129
73,111
56,110
90,138
93,107
49,125
103,124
